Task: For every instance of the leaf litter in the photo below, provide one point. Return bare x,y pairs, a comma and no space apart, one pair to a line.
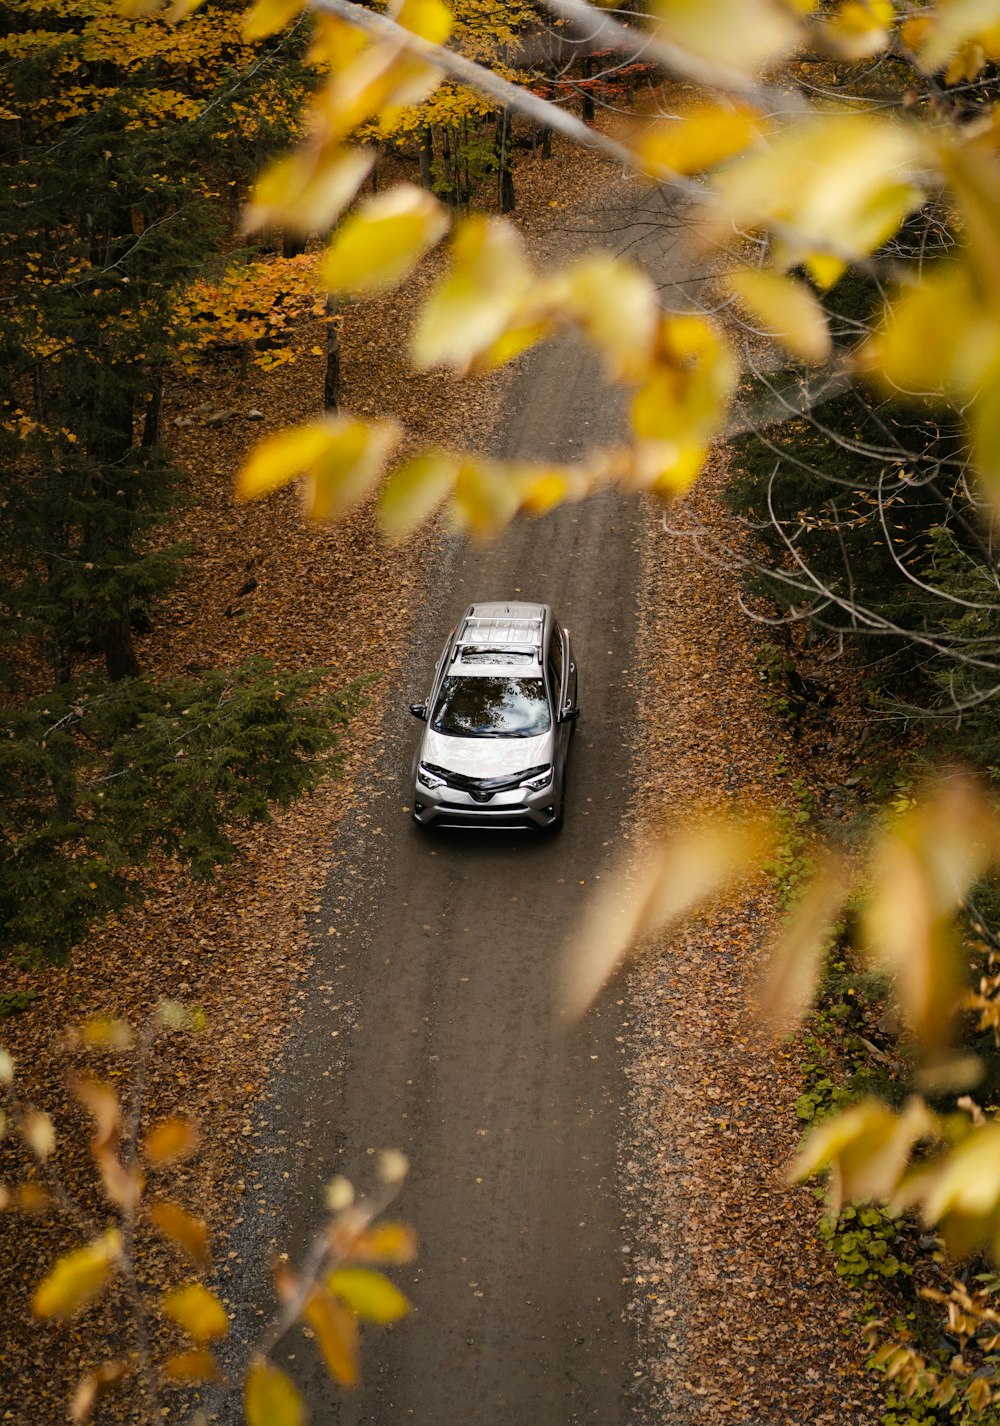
740,1317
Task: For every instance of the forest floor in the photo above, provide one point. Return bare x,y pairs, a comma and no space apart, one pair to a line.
741,1317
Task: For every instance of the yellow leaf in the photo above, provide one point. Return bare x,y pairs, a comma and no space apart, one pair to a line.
471,307
787,309
102,1101
961,1190
381,243
198,1311
743,36
103,1033
170,1139
6,1067
415,490
520,336
921,868
975,181
368,1294
92,1387
840,181
859,28
979,1395
176,1015
39,1133
392,1166
380,79
429,19
307,189
666,468
824,269
937,337
341,458
915,29
182,10
700,137
683,871
77,1278
795,962
178,1226
682,404
122,1186
268,17
337,1334
270,1398
385,1243
866,1149
350,468
198,1365
985,430
281,458
965,64
952,26
486,498
615,305
335,42
544,487
32,1198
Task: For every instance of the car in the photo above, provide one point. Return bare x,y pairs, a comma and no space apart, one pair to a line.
500,716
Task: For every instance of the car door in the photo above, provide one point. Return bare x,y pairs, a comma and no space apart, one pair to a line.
570,696
559,681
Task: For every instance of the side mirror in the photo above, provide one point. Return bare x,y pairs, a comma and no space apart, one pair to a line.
569,714
419,710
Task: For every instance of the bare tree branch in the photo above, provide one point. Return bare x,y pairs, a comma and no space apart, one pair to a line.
476,76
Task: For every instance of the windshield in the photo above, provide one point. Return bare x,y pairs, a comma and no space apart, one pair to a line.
502,707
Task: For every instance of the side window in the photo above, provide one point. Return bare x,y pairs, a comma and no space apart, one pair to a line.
556,662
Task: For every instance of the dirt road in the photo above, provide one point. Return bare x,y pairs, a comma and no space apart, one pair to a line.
430,1026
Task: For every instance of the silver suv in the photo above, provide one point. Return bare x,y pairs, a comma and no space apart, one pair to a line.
499,718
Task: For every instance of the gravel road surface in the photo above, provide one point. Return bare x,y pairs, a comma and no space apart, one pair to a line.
431,1023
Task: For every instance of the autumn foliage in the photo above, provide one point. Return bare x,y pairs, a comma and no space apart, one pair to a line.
341,1284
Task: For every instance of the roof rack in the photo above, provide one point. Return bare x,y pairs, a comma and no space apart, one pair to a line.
511,633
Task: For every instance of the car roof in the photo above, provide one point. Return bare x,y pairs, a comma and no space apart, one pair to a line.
490,629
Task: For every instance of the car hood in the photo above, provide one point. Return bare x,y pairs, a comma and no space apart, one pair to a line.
485,757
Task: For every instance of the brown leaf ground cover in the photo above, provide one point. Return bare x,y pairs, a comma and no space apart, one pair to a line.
741,1317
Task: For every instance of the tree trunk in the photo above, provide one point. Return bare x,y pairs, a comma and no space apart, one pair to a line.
331,383
292,245
56,542
451,186
588,98
505,163
106,538
119,652
426,158
550,73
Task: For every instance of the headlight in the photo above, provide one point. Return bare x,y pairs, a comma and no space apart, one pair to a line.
537,778
429,779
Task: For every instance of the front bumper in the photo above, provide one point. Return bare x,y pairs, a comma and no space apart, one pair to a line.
516,809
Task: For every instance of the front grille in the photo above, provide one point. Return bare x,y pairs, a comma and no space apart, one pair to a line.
482,788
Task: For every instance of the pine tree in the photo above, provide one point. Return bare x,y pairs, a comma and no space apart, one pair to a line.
126,149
